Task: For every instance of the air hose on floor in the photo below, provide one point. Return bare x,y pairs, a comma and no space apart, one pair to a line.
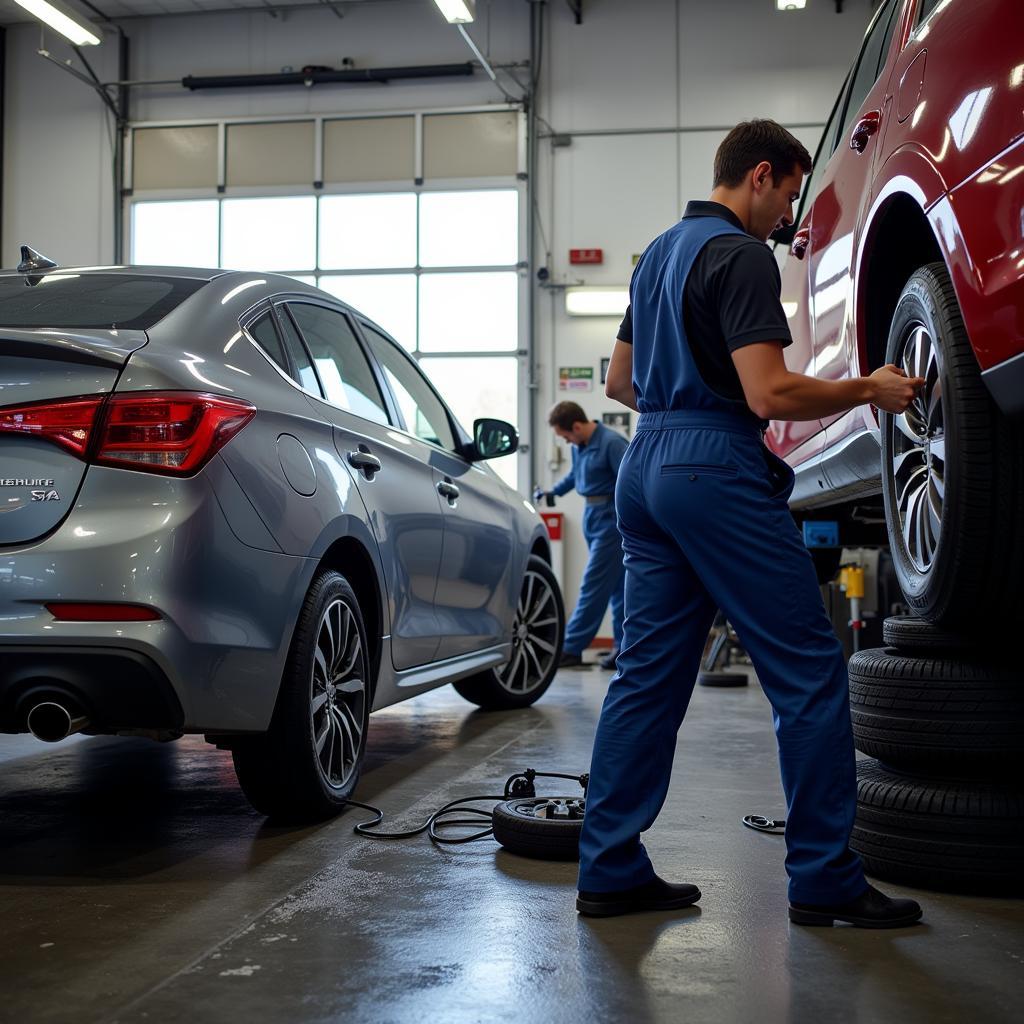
520,820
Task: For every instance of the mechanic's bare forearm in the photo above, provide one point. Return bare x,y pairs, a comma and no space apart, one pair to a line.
624,394
618,381
795,396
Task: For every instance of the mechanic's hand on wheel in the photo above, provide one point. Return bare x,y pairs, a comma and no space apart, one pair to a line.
892,389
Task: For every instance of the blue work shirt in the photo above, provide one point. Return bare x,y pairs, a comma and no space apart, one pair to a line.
595,465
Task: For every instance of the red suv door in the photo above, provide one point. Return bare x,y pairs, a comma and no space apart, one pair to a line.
838,210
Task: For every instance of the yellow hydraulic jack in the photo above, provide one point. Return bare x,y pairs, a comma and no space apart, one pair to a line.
851,582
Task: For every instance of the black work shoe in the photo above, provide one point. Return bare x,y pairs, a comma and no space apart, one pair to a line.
657,894
607,661
570,660
871,909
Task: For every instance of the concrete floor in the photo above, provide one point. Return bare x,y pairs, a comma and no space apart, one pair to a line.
137,885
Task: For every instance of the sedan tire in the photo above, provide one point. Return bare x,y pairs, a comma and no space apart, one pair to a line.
306,766
537,634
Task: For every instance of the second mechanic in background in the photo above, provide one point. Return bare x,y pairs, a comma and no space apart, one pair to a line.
596,454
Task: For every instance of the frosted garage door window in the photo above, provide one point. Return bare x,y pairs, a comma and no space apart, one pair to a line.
469,229
469,312
358,232
478,387
175,234
268,234
386,299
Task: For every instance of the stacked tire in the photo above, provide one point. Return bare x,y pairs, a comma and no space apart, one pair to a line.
940,801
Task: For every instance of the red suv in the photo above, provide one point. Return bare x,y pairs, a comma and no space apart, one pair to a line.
909,249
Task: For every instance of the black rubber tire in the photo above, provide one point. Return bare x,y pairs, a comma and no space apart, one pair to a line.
540,838
983,482
279,771
958,836
913,635
722,679
486,690
942,716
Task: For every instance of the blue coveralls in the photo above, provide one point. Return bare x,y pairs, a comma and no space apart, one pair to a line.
595,466
702,509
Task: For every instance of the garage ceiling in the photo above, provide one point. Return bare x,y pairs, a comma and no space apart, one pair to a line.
11,13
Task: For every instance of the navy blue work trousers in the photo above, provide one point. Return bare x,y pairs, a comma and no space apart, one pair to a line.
702,509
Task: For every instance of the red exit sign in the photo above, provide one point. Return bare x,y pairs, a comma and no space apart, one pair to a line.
586,256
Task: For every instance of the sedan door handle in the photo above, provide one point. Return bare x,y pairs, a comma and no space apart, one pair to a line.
864,129
448,490
364,462
801,240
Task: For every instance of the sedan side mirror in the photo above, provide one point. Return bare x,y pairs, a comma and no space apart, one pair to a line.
493,438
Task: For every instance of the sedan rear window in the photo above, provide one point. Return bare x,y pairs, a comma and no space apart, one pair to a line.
104,301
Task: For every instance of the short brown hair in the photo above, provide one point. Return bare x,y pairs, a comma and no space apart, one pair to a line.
753,141
565,414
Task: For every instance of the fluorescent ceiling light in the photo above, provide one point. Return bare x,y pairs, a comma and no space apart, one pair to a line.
63,19
457,12
790,5
596,301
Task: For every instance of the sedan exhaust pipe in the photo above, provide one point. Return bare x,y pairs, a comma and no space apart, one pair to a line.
52,722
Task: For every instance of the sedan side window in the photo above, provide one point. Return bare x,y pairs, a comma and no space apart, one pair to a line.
423,412
300,359
344,372
265,333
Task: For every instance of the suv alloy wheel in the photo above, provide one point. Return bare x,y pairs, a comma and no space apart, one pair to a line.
952,469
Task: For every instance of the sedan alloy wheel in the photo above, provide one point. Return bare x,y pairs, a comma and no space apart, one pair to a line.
535,635
337,707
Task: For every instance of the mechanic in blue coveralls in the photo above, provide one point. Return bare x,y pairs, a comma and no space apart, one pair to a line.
703,511
596,454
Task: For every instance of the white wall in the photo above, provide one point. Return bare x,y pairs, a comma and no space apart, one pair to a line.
632,65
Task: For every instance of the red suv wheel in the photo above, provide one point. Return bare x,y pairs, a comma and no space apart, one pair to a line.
952,469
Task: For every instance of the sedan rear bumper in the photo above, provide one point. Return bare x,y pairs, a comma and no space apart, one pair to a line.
116,689
213,660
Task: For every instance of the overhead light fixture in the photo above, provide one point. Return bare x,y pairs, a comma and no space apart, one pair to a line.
596,301
456,12
790,5
71,25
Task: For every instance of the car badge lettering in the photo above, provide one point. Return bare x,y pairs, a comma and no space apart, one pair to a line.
50,495
25,481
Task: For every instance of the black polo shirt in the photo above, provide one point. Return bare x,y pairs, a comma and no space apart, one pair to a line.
731,299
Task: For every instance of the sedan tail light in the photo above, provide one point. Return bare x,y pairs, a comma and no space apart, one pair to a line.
168,432
173,432
68,423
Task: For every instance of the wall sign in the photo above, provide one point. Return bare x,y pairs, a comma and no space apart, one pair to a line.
620,421
575,378
577,256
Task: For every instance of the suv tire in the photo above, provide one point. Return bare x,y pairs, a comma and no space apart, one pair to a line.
915,636
306,766
952,469
959,836
937,715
